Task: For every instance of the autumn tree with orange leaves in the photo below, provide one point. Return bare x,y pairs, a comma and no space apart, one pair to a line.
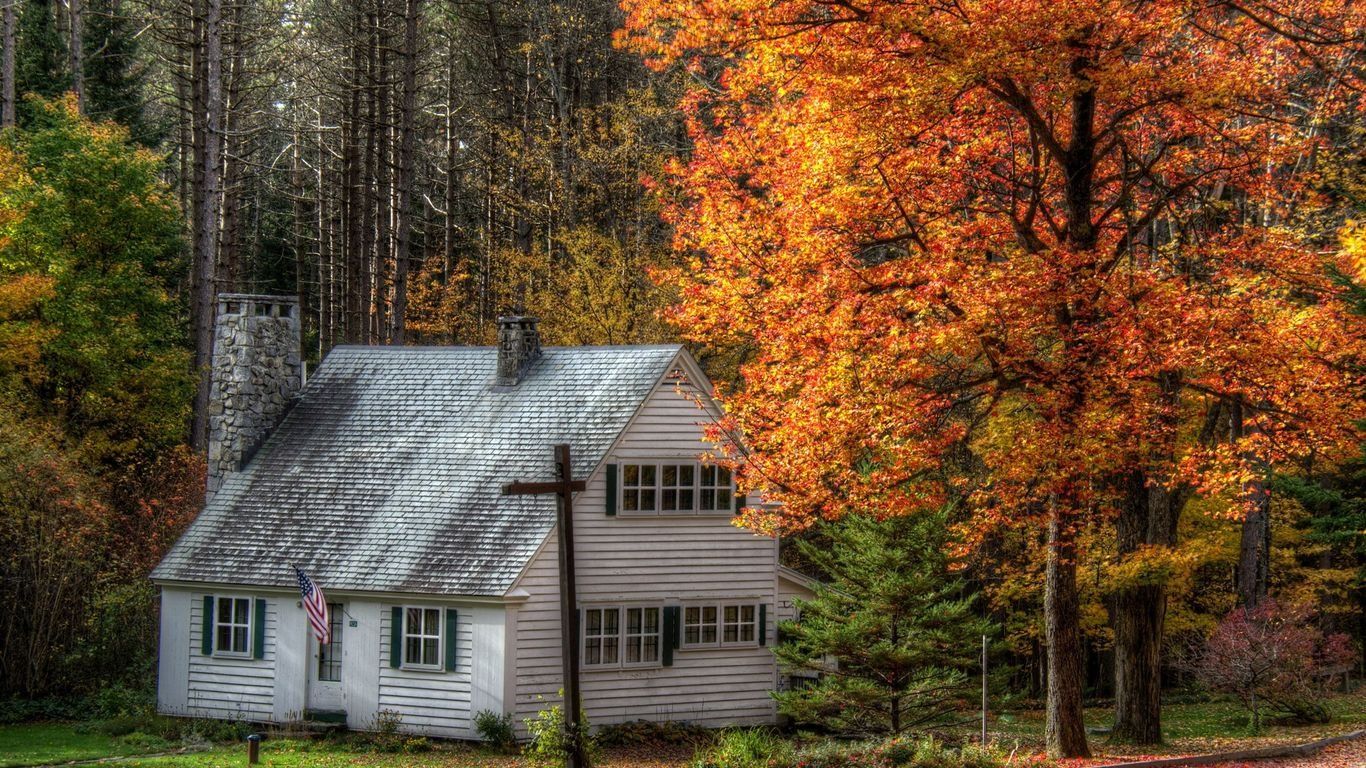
1041,242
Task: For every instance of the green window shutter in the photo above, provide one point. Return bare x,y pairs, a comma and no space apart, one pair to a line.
670,639
258,640
741,501
612,490
451,636
763,623
206,632
396,638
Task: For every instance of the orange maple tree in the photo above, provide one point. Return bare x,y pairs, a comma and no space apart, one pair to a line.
1044,241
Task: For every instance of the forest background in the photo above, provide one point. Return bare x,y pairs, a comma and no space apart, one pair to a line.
410,170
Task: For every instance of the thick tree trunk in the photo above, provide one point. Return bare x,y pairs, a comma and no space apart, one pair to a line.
1138,614
1254,550
9,20
1065,729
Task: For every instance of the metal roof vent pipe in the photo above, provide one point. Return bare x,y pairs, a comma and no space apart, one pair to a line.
519,344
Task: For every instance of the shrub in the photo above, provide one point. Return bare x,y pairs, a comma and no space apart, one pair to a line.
646,732
1272,658
495,729
760,749
144,741
416,744
745,748
548,746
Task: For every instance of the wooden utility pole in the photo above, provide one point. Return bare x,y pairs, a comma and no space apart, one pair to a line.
564,488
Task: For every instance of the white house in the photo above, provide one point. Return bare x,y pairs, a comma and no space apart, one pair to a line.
381,476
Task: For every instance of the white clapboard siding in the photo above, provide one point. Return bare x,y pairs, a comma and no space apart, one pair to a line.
231,688
432,703
657,560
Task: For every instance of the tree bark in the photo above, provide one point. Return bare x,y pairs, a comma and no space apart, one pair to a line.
9,20
206,230
1254,549
404,182
1138,615
77,52
1065,730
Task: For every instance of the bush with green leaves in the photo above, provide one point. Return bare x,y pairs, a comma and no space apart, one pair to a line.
745,748
495,729
900,627
548,746
760,748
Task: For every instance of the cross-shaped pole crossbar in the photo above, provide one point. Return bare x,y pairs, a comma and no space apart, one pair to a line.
564,487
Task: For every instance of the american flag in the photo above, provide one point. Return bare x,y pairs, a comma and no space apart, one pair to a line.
315,605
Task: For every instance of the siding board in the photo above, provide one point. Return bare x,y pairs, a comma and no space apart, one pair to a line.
635,558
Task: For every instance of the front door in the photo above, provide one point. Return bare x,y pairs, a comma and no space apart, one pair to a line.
325,693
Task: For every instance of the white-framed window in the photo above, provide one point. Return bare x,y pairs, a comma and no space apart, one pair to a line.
712,625
638,488
601,637
739,624
701,625
232,626
676,487
716,489
641,639
422,638
622,636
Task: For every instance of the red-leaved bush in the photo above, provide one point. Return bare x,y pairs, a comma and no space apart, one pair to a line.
1273,659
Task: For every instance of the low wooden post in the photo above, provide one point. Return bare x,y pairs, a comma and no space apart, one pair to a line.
254,749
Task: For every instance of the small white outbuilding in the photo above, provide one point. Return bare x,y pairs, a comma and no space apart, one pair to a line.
380,477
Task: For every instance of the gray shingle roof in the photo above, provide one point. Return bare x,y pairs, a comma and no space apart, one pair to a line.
387,474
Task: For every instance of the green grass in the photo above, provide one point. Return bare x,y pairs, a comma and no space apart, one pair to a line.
43,743
1197,727
325,754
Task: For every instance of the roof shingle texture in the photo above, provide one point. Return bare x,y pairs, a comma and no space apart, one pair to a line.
386,476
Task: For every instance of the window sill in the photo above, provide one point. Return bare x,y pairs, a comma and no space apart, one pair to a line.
424,668
230,656
674,514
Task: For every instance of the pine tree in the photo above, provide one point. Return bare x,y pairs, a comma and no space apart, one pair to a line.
900,628
114,74
42,56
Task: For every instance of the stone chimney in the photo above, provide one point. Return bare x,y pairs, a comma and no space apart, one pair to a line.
519,344
255,375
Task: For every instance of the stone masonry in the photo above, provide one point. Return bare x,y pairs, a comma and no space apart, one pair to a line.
256,374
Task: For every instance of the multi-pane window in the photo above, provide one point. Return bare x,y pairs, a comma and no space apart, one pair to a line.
715,489
638,488
601,637
738,624
232,626
676,487
683,487
700,625
642,636
723,624
422,638
329,653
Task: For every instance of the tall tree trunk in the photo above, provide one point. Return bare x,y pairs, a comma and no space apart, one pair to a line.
206,231
407,129
1065,730
77,52
9,20
1254,549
